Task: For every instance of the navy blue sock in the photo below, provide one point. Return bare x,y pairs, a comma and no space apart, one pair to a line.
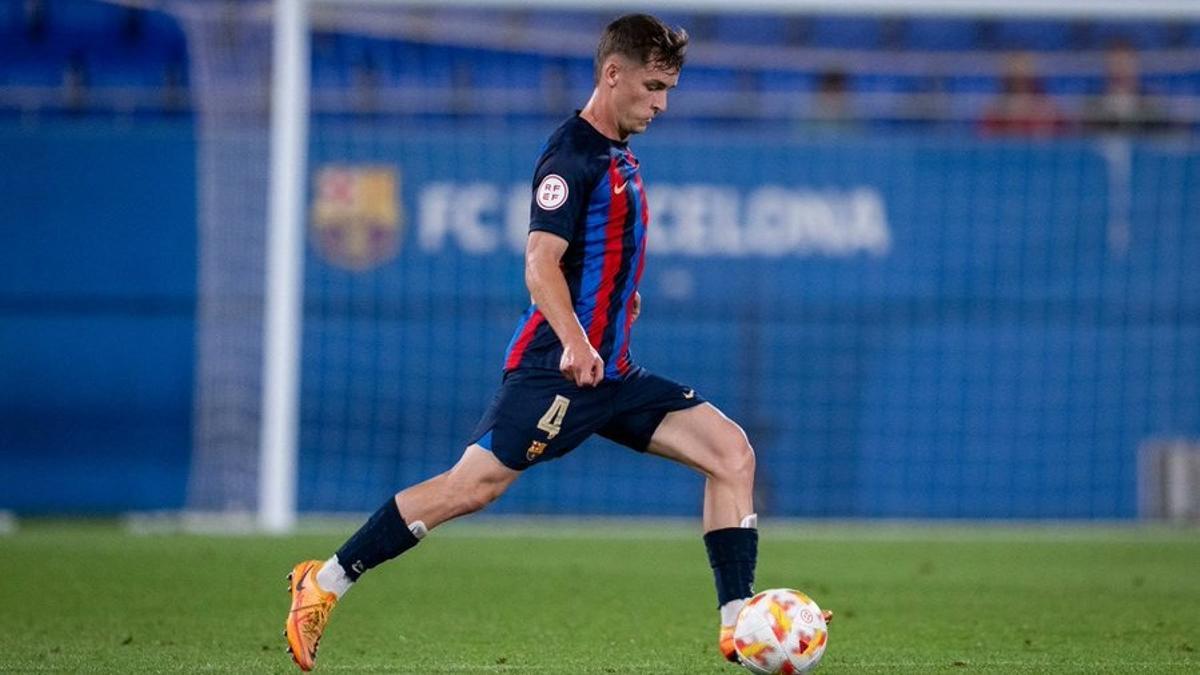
384,536
733,554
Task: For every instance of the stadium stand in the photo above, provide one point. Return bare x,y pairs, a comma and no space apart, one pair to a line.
92,57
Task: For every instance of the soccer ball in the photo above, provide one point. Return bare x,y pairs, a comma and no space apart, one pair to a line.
780,631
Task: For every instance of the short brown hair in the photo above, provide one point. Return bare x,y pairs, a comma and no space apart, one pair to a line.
644,39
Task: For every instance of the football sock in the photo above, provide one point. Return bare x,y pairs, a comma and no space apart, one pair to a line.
384,536
733,554
729,611
332,577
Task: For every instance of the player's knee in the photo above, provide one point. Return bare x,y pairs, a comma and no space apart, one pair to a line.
744,463
470,503
479,497
736,456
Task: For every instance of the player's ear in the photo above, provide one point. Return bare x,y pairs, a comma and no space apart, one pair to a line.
611,70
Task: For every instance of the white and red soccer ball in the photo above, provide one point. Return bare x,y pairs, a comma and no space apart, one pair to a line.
780,631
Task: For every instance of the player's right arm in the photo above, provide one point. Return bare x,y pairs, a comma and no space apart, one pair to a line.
580,362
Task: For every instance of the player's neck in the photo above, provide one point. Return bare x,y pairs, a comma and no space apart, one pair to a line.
596,114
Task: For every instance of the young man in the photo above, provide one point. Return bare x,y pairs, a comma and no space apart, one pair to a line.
568,373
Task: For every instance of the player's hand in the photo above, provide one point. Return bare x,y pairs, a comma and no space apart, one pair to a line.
581,364
636,308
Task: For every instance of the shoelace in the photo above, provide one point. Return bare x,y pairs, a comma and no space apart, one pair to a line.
311,626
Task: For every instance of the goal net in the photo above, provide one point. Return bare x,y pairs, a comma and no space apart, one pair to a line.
929,278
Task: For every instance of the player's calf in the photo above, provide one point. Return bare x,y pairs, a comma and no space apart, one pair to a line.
384,536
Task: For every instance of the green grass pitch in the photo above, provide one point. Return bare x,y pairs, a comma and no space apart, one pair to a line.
492,596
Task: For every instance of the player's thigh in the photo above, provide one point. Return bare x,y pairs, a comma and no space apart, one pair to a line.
640,403
705,439
539,415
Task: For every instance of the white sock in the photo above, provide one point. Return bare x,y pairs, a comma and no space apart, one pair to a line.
333,578
729,612
418,529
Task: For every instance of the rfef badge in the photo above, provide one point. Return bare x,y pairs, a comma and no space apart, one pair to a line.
356,221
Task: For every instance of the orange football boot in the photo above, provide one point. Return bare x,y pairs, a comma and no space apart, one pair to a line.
311,606
729,650
725,644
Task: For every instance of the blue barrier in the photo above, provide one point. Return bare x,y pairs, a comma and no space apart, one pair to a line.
906,327
97,304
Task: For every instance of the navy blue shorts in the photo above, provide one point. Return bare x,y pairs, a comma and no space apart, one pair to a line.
539,414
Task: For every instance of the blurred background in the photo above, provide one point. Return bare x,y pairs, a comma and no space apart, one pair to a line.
938,265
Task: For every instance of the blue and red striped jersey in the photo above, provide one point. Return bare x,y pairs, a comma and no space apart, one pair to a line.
586,189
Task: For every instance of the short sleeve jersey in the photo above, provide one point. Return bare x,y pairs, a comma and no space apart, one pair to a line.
587,190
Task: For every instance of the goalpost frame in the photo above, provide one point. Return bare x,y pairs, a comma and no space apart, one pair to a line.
283,310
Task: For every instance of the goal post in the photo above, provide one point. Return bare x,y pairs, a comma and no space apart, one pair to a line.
285,245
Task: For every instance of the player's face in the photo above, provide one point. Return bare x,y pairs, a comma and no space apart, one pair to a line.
640,94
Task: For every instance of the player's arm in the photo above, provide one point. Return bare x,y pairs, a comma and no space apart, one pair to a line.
580,362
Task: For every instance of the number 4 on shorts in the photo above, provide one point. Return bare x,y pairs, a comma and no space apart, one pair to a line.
551,422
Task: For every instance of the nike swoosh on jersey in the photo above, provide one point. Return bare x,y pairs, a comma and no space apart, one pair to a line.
621,188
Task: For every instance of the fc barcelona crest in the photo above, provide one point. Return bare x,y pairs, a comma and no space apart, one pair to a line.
356,221
535,450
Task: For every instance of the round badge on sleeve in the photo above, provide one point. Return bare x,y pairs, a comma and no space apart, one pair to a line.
552,192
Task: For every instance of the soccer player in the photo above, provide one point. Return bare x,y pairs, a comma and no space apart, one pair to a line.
568,372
